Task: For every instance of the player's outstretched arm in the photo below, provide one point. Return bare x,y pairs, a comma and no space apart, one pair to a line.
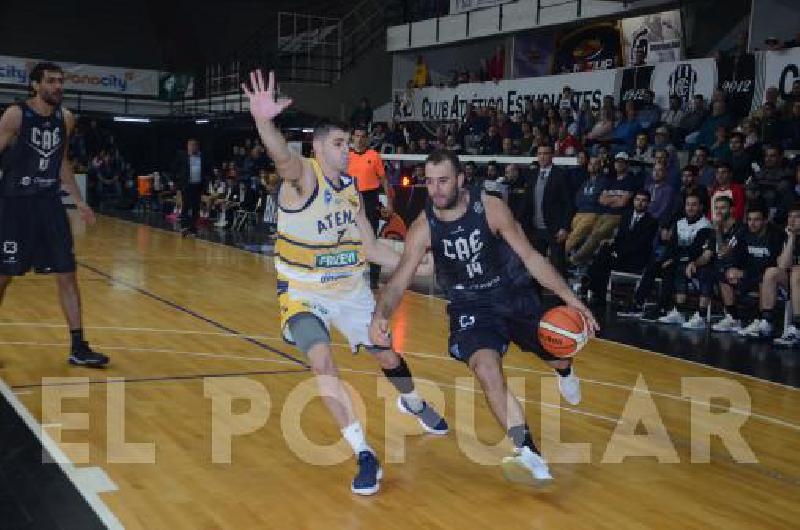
418,239
264,107
502,222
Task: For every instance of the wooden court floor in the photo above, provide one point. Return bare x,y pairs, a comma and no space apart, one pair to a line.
192,328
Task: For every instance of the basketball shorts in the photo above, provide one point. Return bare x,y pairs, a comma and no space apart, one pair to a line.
478,325
350,312
35,234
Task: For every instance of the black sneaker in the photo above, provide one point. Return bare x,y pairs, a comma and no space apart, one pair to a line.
84,356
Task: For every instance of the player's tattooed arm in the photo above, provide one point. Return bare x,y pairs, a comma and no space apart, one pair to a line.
502,222
418,240
10,123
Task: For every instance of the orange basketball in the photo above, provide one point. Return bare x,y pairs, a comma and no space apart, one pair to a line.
562,331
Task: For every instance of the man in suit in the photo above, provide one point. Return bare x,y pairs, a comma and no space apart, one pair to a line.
629,251
549,208
191,176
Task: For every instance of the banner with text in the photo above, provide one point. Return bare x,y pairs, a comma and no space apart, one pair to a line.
781,69
435,104
652,39
85,77
588,48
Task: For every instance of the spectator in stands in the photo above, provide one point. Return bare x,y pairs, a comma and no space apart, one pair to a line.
492,170
630,250
603,130
516,191
689,251
719,150
587,209
606,164
789,198
719,118
728,235
451,145
751,141
771,127
418,176
192,170
625,133
566,144
675,113
421,76
492,143
724,187
770,181
694,119
497,65
759,250
649,114
584,120
549,208
662,140
423,146
579,173
662,194
771,95
395,170
739,158
779,275
791,127
508,147
707,173
689,186
377,137
642,151
470,174
527,140
786,275
614,201
504,127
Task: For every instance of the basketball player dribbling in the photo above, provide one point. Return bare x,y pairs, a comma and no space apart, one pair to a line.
34,229
324,241
481,255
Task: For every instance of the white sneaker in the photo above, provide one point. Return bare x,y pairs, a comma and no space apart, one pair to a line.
526,467
790,337
727,325
673,317
757,329
570,388
696,322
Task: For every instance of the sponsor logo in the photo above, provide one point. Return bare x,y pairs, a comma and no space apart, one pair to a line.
466,321
9,247
25,181
346,258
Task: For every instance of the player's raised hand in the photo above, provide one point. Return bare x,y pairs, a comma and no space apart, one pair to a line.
263,104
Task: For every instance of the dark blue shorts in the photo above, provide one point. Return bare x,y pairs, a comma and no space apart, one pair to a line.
479,325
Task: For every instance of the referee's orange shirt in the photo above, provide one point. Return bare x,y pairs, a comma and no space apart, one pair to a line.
367,168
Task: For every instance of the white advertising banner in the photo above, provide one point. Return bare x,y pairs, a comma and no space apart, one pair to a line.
685,79
658,36
432,103
85,77
781,69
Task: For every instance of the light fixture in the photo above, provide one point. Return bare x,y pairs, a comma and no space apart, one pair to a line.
131,119
201,121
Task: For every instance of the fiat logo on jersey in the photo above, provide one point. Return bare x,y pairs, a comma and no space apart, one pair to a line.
9,247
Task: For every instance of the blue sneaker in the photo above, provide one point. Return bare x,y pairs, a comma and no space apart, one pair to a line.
427,417
366,481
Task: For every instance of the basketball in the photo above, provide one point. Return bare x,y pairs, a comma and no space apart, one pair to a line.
562,331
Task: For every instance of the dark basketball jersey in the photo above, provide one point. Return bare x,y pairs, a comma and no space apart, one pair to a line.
31,165
467,255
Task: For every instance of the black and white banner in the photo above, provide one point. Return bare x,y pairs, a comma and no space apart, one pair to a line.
435,104
684,79
737,79
655,38
635,83
781,69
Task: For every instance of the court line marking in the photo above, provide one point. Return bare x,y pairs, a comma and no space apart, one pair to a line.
78,476
186,310
434,297
223,356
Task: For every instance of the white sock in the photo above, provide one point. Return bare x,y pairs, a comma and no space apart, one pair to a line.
355,437
413,401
